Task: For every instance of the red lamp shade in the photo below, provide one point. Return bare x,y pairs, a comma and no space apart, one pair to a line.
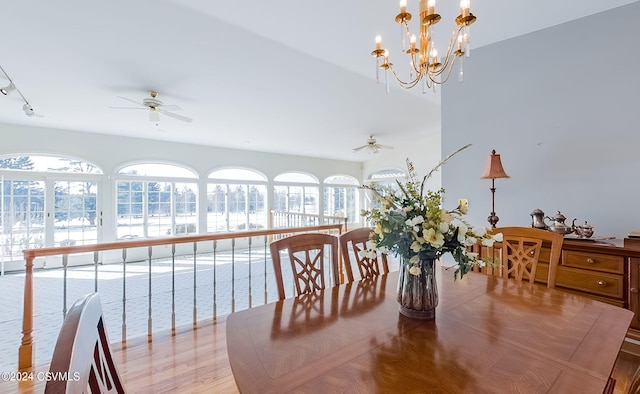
494,169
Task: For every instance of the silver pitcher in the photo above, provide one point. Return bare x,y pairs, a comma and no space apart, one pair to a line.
537,219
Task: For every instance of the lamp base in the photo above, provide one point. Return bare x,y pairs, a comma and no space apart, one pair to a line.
493,219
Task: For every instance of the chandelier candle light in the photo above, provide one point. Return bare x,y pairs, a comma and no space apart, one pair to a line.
425,65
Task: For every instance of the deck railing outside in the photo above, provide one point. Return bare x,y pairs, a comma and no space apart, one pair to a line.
282,219
120,256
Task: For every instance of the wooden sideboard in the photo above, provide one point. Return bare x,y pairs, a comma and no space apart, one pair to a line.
605,270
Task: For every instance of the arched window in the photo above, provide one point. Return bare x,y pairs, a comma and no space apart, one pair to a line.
236,200
386,179
156,199
296,192
341,197
28,181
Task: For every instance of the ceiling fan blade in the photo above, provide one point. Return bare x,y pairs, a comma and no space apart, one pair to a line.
176,116
127,108
169,108
360,148
154,116
384,146
132,101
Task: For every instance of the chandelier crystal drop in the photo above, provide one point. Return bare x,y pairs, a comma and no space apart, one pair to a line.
425,67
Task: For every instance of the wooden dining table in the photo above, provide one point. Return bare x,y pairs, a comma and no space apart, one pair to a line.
490,335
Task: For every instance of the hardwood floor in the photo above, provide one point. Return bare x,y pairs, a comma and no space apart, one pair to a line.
196,361
192,361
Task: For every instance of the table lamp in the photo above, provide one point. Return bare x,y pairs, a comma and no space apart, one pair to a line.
493,171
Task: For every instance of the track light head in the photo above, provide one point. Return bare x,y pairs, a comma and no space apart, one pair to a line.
7,89
28,109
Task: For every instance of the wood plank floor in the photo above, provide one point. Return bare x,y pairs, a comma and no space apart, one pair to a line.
195,361
192,361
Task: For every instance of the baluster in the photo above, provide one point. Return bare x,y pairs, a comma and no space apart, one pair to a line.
173,287
150,319
65,261
215,305
195,285
95,276
124,295
250,239
266,242
233,275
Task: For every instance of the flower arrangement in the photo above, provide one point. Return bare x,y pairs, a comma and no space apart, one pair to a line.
412,223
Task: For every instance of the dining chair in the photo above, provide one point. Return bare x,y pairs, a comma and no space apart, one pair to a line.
520,252
307,255
82,352
351,244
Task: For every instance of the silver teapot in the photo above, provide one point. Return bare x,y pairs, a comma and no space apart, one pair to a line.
558,225
583,231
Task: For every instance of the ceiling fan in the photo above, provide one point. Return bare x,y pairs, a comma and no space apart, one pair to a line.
372,146
155,108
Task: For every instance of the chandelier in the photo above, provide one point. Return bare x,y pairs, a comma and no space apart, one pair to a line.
425,67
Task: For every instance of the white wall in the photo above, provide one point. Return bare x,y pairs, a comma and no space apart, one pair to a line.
111,152
561,106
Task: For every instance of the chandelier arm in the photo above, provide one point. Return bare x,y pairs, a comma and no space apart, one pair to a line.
403,84
448,72
454,35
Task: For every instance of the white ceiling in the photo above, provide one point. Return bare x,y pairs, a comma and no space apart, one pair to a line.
276,76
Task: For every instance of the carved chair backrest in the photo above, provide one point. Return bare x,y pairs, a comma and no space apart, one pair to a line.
351,244
520,252
307,255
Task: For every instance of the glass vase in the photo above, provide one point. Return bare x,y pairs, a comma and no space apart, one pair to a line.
418,294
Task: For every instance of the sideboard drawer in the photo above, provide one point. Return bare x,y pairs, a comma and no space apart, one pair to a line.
593,261
592,282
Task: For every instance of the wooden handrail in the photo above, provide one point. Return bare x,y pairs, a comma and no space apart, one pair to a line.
27,348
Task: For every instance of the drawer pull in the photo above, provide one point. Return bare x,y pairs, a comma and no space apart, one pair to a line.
633,289
601,283
590,260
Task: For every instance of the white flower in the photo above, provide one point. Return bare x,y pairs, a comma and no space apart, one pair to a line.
414,260
462,232
479,231
435,239
413,223
470,241
497,237
367,254
463,206
471,255
446,217
443,227
487,242
416,246
414,270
